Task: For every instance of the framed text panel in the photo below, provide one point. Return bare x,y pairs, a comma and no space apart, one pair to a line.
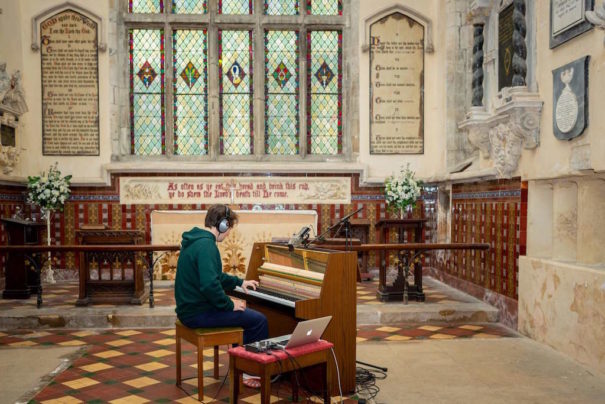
568,20
70,85
396,85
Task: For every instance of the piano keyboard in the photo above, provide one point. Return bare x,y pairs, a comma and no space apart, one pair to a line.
270,295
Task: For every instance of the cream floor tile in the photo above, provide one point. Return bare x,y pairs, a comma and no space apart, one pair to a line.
141,382
80,383
132,399
95,367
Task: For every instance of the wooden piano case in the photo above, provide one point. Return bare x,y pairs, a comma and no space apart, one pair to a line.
110,277
337,298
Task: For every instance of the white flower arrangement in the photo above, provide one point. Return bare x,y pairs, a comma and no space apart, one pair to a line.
49,191
402,190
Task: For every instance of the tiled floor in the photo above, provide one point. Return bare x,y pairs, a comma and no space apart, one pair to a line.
132,366
138,365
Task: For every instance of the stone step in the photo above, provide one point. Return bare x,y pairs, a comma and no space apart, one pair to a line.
393,313
79,318
444,305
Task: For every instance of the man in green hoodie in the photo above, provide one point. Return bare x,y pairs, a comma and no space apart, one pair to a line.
201,284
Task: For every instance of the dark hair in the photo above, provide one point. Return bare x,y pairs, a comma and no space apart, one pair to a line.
216,213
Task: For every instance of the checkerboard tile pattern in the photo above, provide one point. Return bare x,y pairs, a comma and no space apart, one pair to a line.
407,332
127,366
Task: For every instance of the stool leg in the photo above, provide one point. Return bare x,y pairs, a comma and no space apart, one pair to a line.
294,385
234,380
327,383
178,360
216,361
200,370
265,386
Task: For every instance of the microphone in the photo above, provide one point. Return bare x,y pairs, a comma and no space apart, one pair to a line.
300,238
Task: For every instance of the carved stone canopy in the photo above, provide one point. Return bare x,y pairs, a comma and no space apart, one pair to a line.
512,125
597,16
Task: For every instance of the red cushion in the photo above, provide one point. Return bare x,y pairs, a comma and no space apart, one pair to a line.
241,352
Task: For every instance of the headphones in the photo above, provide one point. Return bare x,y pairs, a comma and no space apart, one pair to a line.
223,224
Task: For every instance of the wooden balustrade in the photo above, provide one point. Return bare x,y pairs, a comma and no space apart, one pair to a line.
98,250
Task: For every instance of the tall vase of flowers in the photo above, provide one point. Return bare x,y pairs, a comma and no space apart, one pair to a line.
402,190
48,191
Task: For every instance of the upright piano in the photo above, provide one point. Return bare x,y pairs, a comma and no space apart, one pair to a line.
305,283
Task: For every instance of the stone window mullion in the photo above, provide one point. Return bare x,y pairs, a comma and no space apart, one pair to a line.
168,85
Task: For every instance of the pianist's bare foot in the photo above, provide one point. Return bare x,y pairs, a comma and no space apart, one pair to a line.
251,381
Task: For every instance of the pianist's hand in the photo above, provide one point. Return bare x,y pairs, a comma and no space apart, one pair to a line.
249,285
239,305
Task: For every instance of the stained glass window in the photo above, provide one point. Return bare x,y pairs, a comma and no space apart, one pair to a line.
147,91
324,92
146,6
190,92
189,6
324,7
235,6
281,7
235,92
281,92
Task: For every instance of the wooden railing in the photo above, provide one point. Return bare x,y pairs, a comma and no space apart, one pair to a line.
148,249
408,254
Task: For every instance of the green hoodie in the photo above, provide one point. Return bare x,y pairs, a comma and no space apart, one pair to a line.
200,281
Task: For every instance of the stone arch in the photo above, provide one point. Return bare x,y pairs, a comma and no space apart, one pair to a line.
407,11
37,19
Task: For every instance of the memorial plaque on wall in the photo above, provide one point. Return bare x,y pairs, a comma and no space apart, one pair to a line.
568,19
70,85
570,99
396,86
505,47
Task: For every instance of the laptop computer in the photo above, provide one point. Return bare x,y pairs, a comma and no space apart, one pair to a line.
305,332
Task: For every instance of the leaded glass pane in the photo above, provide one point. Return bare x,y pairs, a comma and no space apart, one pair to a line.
189,6
147,91
235,6
190,92
146,6
235,91
281,7
324,95
324,7
281,92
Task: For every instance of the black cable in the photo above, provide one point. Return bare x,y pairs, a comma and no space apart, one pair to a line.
180,386
223,383
306,387
281,370
365,381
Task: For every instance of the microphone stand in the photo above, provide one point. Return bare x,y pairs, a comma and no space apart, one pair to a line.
342,222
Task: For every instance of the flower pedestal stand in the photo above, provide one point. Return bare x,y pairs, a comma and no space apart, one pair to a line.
47,270
396,291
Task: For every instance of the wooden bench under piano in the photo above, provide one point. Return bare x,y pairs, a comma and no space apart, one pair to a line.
305,283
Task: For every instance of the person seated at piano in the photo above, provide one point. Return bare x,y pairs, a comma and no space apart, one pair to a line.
200,285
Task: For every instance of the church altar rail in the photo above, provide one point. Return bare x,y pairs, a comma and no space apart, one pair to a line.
144,248
409,254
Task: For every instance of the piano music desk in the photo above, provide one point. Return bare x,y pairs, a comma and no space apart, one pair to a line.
268,365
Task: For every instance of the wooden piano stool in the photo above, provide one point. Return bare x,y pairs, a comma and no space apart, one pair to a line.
204,337
268,365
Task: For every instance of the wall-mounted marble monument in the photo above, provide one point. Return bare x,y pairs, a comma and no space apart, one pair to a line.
568,20
570,99
397,85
